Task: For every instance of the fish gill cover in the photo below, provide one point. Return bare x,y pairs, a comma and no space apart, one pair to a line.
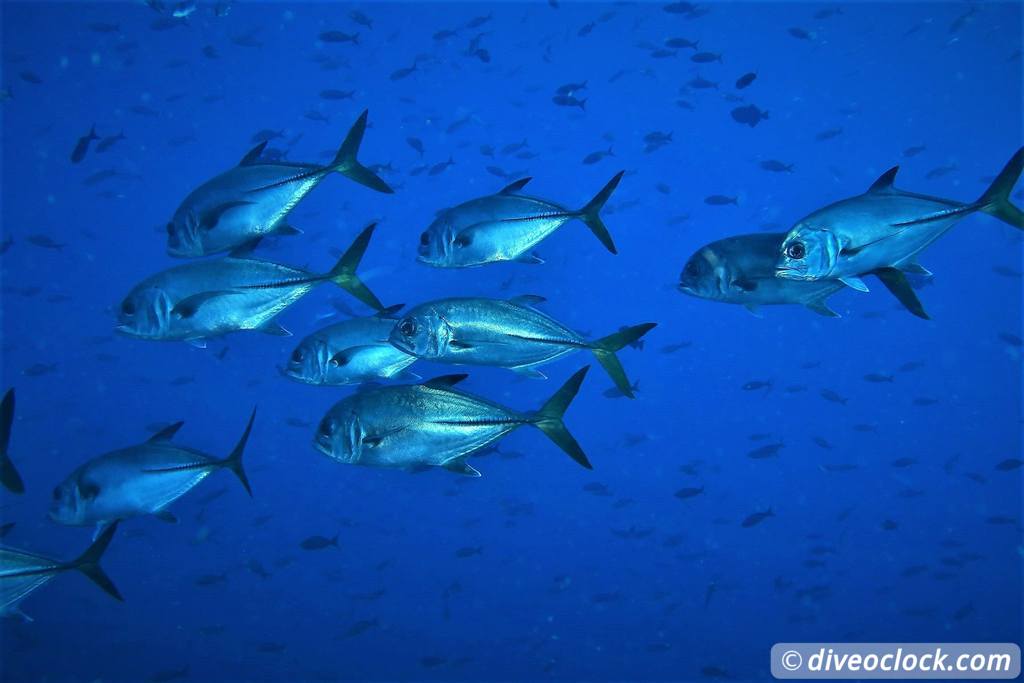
359,255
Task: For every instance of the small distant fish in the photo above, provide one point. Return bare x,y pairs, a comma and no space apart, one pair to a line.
756,518
463,553
39,369
416,144
924,401
745,80
108,142
940,171
1011,339
832,396
913,151
31,77
828,134
82,147
699,83
800,33
1010,464
706,57
319,542
44,241
776,166
877,378
339,37
689,492
821,442
767,451
569,101
359,18
404,72
595,157
904,462
440,168
756,384
910,366
682,43
211,579
720,200
749,115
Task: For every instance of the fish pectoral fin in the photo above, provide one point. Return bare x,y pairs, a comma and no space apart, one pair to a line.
854,282
745,284
820,307
456,344
272,328
753,310
198,342
916,269
166,516
529,372
190,305
460,466
209,219
100,528
408,376
285,229
533,259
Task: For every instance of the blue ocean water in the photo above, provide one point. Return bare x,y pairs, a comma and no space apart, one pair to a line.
892,518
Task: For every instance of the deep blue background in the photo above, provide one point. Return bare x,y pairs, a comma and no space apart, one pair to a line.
570,585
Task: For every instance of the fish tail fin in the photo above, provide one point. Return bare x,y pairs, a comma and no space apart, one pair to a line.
344,275
604,350
549,418
996,200
234,461
896,282
590,214
345,161
9,476
88,563
92,133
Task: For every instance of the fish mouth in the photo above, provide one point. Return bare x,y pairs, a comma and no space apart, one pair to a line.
787,273
322,443
686,289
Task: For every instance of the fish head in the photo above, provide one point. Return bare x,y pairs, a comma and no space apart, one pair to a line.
183,239
808,253
706,275
309,361
423,332
340,436
145,313
70,501
441,243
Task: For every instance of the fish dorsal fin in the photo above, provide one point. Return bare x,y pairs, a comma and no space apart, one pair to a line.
386,313
253,155
527,300
885,181
512,188
165,434
445,381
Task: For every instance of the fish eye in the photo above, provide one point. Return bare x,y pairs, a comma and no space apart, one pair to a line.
425,239
692,268
407,327
297,355
796,250
128,307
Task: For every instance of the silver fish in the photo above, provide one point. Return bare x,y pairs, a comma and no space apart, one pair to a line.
9,476
432,424
509,334
22,573
741,270
203,299
505,227
885,227
253,199
140,480
349,352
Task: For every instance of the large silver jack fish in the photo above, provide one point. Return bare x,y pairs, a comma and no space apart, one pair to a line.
434,425
199,300
885,228
253,199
